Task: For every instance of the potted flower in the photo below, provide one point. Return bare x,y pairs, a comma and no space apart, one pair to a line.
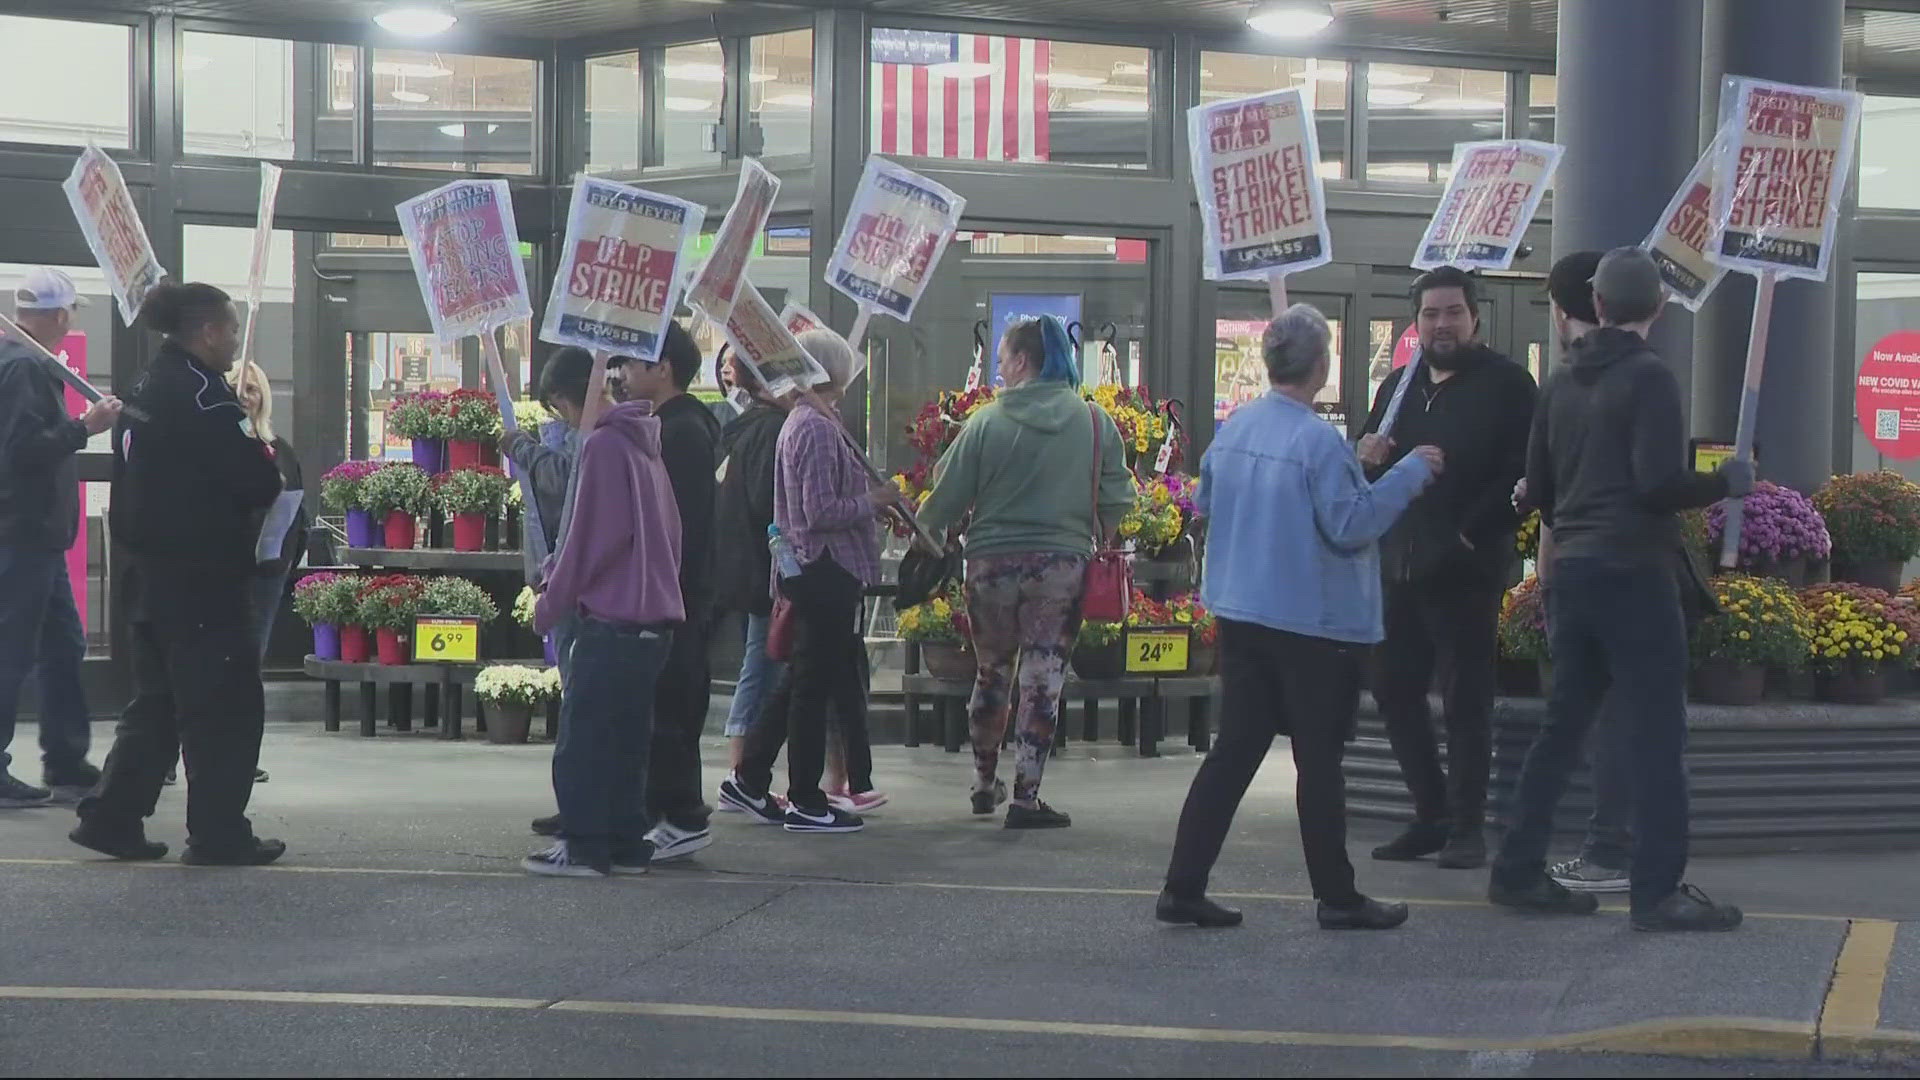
1098,653
340,494
1857,632
1526,540
513,692
1761,623
471,497
1523,636
458,597
326,601
1780,534
387,606
523,616
940,628
532,418
395,494
1203,643
422,417
473,422
1875,521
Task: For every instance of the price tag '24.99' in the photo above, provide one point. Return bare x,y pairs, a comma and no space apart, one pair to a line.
441,639
1157,651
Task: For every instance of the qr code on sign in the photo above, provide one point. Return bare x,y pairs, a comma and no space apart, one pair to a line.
1886,423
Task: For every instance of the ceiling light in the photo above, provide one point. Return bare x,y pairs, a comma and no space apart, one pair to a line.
416,20
1109,105
1392,97
962,69
1291,18
411,97
1070,80
688,104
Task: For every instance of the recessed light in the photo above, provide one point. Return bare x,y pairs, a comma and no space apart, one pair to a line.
1291,18
416,20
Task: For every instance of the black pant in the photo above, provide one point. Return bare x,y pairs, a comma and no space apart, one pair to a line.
1276,683
826,675
679,717
1426,620
197,695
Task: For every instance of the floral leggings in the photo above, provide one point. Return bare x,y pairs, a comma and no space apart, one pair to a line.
1025,616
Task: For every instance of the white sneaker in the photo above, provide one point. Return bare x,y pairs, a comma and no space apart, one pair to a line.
670,843
556,861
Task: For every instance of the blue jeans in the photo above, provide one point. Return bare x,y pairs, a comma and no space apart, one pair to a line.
1617,634
606,729
41,635
759,674
1609,831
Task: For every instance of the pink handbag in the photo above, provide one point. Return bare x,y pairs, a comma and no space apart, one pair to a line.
1109,581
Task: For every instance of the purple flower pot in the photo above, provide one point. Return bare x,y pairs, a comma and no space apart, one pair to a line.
326,641
546,644
360,530
430,455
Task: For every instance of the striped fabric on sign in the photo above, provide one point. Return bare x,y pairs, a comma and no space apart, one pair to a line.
959,109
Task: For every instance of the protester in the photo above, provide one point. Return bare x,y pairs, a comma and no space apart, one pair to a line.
189,484
1042,474
255,394
824,503
616,578
743,510
40,628
1287,503
1607,467
1448,563
549,468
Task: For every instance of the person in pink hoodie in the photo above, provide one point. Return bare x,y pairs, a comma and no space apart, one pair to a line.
617,575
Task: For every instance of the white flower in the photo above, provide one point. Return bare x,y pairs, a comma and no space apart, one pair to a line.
511,684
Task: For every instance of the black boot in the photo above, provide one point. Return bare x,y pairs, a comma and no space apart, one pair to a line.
1687,908
1466,849
1194,911
254,852
1365,915
130,844
1418,841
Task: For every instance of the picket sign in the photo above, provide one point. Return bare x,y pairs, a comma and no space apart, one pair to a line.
1749,411
257,267
67,375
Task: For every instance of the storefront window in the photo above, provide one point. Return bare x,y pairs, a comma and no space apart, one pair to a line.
220,256
780,93
981,97
688,113
613,113
1239,363
266,98
65,82
1416,114
1543,96
1890,153
1391,343
456,113
1324,83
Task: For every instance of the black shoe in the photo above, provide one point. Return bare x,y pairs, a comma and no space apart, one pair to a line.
1367,915
760,807
255,852
984,802
1198,911
830,820
260,776
1687,908
130,844
1466,850
173,777
547,826
1038,816
1542,896
70,784
1418,841
17,794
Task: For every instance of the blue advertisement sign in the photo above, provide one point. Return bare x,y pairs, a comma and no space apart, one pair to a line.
1009,308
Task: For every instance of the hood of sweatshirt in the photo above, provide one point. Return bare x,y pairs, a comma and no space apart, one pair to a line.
1046,407
634,421
1600,349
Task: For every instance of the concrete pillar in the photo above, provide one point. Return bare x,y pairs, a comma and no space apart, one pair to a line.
1793,41
1628,115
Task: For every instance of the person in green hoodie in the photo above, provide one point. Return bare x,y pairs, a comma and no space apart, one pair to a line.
1044,475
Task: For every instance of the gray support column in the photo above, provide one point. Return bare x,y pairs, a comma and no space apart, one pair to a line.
1794,41
1628,115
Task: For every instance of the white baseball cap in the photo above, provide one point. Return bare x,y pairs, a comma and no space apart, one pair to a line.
46,289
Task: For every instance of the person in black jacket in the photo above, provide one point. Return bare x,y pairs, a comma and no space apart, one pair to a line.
190,481
743,564
40,629
1448,562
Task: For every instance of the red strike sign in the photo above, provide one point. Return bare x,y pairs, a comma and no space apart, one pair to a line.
1886,394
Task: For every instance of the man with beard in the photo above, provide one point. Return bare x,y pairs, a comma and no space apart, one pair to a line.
1447,562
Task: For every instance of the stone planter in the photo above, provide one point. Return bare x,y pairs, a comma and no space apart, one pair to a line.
1850,686
1101,662
1729,682
948,661
509,722
1882,574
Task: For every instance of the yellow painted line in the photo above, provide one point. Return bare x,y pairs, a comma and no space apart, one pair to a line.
1859,978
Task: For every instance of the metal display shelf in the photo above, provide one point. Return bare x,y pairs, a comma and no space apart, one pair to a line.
435,559
400,680
1143,702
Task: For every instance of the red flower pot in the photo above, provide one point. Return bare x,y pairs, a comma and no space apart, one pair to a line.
463,454
469,532
393,651
353,644
400,530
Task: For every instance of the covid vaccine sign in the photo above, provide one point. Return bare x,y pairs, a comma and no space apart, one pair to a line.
1886,395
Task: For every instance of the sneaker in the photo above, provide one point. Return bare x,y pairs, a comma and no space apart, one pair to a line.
260,776
671,843
557,862
71,784
1466,850
1687,908
1581,875
255,852
760,808
130,844
546,826
1418,841
1366,915
831,820
17,794
1037,816
861,802
985,802
173,777
1542,896
630,863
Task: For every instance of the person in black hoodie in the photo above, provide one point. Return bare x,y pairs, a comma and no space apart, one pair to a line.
190,481
743,511
1448,562
1607,466
40,629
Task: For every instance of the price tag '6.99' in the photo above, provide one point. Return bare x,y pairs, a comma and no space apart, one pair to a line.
443,639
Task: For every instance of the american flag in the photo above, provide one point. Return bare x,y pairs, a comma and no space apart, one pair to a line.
934,96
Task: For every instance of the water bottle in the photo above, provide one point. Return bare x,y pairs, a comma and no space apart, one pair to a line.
783,556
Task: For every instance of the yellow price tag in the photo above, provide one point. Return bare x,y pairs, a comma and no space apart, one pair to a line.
446,640
1708,457
1157,652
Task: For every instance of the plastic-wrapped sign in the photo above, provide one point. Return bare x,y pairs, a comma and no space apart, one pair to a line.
100,200
896,231
617,284
1489,202
1782,167
798,320
1261,201
1683,234
718,281
762,340
262,246
465,251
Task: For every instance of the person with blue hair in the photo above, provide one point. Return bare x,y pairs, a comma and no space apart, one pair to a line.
1034,481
